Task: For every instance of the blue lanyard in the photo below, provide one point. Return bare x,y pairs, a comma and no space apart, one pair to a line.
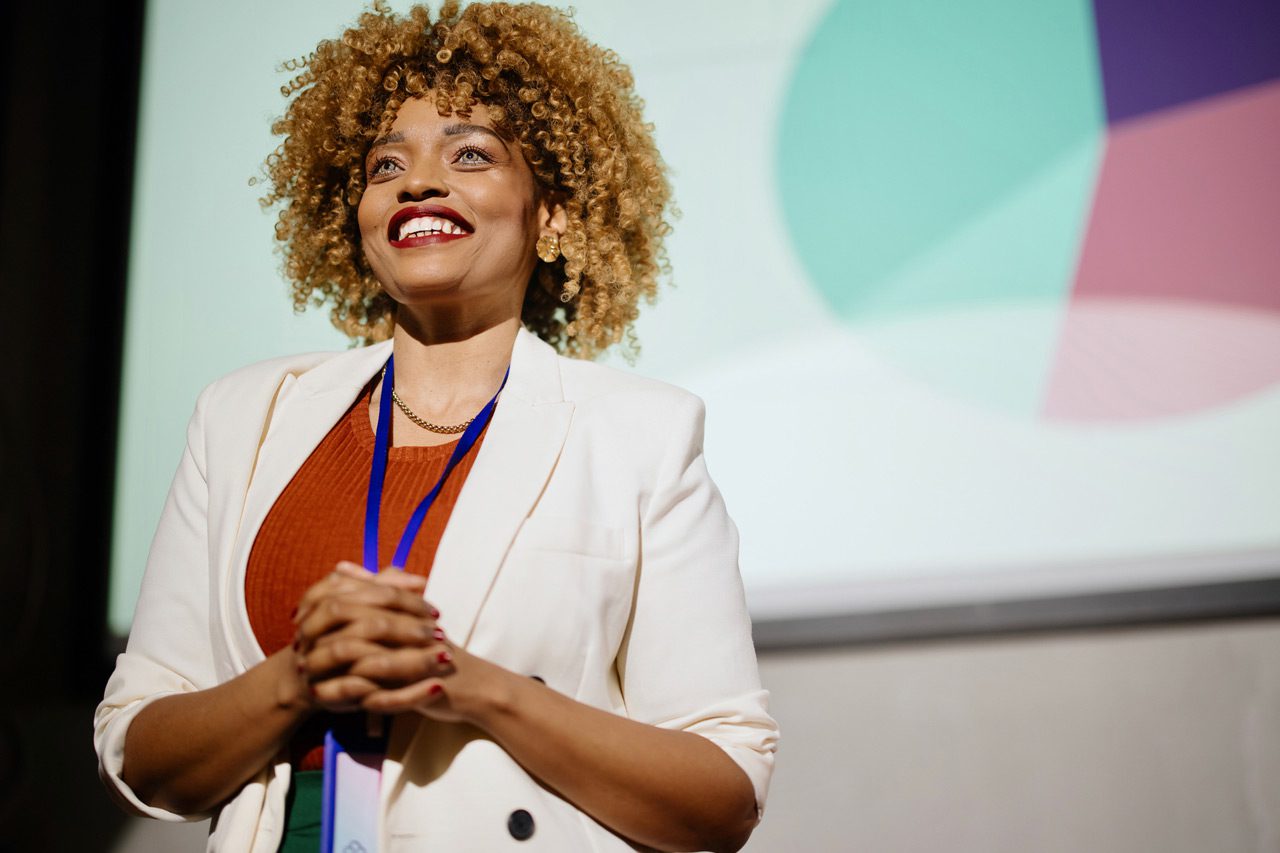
378,473
356,788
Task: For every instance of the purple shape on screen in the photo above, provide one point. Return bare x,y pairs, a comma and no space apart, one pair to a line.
1161,53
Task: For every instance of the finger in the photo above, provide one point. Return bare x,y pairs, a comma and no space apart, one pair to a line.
349,578
401,580
383,594
334,611
352,570
416,696
413,584
334,583
404,666
335,658
337,619
344,693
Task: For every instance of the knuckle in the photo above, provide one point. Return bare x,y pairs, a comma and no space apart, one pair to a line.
417,664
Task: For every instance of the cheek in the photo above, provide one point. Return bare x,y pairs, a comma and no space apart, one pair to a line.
372,210
368,227
509,202
365,216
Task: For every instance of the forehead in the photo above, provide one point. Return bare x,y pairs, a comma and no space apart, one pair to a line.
422,116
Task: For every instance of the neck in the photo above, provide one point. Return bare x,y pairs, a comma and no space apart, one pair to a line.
443,368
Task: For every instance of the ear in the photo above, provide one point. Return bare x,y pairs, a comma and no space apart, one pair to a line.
552,217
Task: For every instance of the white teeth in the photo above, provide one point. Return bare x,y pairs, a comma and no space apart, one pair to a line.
421,226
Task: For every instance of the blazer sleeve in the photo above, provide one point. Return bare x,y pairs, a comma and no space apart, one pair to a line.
170,648
687,660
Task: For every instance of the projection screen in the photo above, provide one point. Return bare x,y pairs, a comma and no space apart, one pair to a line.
982,298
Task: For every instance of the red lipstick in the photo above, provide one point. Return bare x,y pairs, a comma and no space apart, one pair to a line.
436,211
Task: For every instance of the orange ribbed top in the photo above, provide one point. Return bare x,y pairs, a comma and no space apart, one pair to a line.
319,519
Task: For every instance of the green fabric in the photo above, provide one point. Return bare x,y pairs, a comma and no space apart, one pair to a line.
302,813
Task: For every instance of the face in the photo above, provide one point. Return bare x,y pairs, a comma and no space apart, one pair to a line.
449,216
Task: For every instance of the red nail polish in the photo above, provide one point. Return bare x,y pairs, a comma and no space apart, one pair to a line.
438,634
297,644
434,690
435,614
444,657
301,669
293,613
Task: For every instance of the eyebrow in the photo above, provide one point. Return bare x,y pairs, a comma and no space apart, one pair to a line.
390,139
455,129
461,129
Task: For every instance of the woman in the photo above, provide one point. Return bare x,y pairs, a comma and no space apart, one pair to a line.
580,675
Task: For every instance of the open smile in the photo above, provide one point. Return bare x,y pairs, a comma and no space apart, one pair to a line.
425,225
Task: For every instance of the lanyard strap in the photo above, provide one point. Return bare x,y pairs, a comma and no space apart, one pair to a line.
349,811
378,473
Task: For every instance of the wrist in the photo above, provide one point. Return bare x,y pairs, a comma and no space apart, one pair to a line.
292,693
498,698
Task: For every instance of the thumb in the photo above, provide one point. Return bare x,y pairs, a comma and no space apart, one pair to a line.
351,570
402,580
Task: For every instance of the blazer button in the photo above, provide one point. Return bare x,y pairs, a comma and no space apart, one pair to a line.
520,825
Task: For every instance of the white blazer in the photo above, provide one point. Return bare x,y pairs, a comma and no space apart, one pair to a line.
588,547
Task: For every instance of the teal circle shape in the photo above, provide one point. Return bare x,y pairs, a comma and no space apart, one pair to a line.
908,124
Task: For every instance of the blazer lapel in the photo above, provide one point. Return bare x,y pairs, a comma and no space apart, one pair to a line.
519,452
515,460
304,413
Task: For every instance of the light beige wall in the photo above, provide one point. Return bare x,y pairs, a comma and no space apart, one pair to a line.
1121,741
1159,739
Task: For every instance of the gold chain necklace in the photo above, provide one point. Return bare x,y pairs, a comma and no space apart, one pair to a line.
422,422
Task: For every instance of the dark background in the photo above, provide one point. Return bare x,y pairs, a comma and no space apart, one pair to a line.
70,84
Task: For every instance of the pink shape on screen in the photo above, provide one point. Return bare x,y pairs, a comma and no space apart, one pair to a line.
1188,205
1129,359
1176,303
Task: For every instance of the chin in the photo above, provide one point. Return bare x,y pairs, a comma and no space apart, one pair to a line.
427,292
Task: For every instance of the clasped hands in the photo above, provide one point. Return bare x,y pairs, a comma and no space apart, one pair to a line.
370,642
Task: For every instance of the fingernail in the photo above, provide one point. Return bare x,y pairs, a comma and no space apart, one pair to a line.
444,657
293,613
301,669
438,633
297,644
435,614
434,690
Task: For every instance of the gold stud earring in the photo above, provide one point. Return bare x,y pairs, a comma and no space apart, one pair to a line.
549,248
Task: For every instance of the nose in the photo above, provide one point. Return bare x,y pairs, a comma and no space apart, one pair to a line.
423,181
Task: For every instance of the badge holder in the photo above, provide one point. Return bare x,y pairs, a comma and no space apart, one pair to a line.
352,781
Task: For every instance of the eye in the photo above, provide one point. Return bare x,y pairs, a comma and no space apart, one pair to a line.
382,167
470,155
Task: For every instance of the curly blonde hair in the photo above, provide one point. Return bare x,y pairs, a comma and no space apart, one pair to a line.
569,103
